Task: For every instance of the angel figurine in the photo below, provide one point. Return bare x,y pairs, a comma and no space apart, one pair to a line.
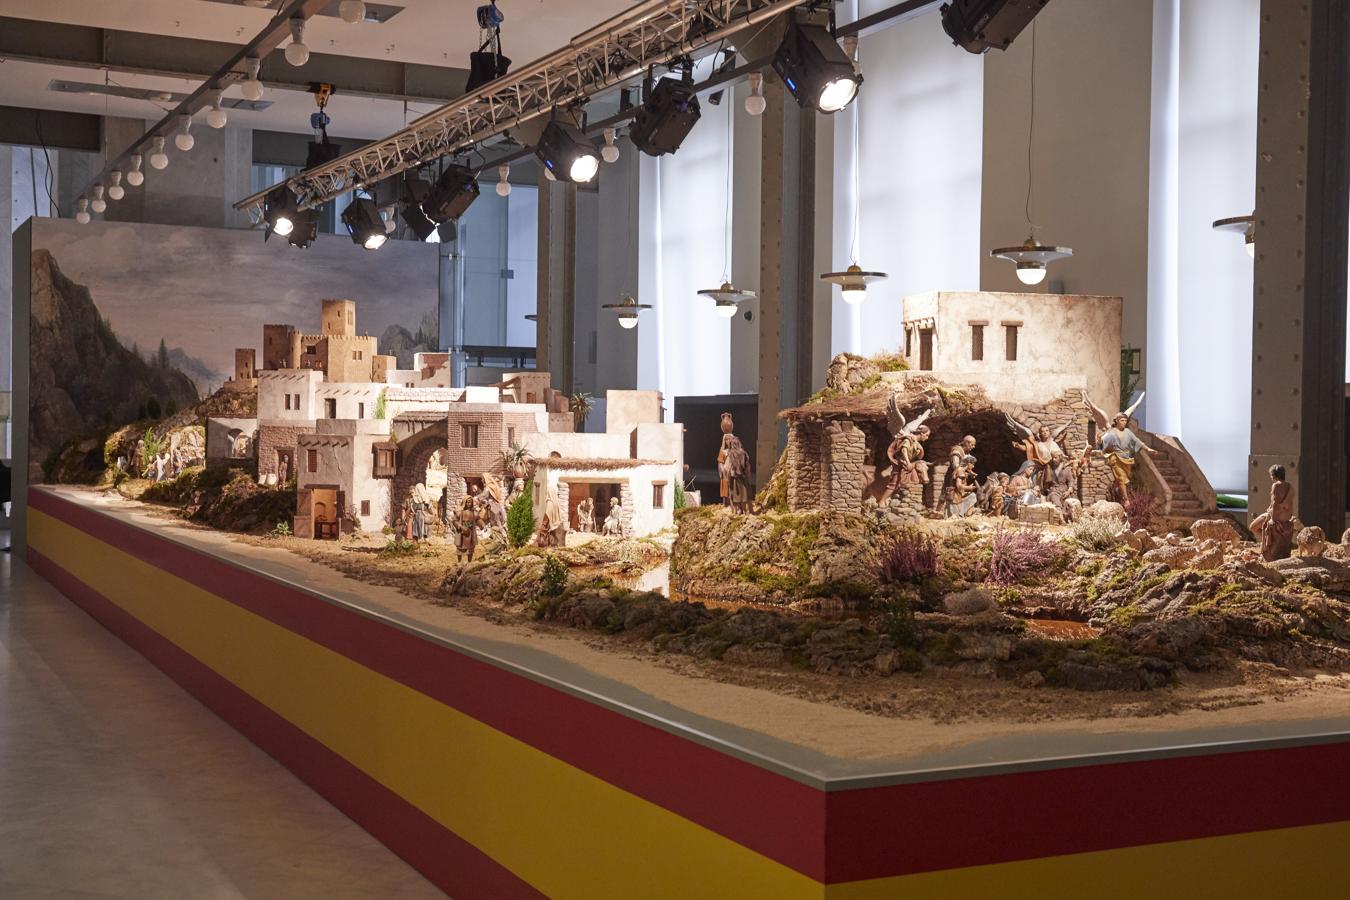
1118,444
1040,448
905,451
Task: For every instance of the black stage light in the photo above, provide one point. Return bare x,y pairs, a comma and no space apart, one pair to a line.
279,209
414,191
306,228
816,69
665,117
364,224
451,195
321,152
567,152
447,232
979,25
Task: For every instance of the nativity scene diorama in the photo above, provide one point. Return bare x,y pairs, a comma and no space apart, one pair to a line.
983,503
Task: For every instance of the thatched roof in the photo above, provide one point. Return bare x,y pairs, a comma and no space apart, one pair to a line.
917,393
604,465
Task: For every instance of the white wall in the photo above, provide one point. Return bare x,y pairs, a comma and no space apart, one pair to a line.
919,181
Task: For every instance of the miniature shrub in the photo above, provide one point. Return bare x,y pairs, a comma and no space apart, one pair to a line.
398,546
679,495
909,559
1140,509
380,401
151,447
520,517
1015,554
1230,502
897,623
1094,534
282,529
553,581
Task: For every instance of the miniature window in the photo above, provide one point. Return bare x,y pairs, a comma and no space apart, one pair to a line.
510,435
909,341
659,495
1010,341
297,400
356,355
386,459
360,410
330,407
468,436
288,401
977,341
365,507
312,460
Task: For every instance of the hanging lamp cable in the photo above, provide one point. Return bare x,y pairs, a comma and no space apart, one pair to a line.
726,221
1031,128
857,180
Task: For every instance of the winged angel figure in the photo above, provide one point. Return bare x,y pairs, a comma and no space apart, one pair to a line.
1040,446
1117,443
905,451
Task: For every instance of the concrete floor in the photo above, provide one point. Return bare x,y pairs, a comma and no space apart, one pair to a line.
116,783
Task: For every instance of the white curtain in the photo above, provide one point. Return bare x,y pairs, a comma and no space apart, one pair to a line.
917,193
1200,301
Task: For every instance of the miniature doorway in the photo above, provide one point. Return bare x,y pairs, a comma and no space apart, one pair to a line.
285,464
437,479
925,349
327,512
601,494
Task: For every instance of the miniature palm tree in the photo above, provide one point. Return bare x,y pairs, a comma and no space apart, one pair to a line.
580,405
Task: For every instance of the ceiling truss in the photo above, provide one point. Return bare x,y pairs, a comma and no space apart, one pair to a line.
654,33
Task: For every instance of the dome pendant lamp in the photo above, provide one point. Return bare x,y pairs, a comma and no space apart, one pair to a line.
726,297
854,280
1246,225
1031,257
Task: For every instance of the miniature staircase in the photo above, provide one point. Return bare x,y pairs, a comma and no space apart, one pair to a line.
1181,496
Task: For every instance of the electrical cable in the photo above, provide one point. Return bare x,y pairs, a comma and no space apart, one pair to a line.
1031,127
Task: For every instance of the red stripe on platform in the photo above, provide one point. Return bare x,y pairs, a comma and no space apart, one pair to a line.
769,813
447,860
959,822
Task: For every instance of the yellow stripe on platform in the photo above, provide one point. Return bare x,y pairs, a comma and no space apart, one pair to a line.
566,832
1303,863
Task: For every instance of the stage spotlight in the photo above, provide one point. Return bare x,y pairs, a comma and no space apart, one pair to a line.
364,224
451,195
306,228
979,25
665,118
816,69
567,153
410,200
279,209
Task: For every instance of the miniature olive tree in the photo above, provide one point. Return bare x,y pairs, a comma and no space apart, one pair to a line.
520,517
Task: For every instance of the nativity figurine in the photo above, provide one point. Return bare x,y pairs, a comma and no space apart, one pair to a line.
1118,444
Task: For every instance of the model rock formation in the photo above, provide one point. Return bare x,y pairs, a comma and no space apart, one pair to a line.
82,379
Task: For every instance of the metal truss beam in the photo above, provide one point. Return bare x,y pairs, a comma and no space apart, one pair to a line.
654,33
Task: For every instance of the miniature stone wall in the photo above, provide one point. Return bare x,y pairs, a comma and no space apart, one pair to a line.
412,470
842,466
804,466
272,438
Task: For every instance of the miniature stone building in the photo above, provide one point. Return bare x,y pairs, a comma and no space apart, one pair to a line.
231,441
1048,349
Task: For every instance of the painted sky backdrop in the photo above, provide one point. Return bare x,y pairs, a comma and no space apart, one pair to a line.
210,290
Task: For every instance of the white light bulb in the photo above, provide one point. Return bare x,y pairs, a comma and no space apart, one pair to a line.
853,295
82,211
755,104
503,181
136,177
284,225
837,94
610,152
584,168
98,204
251,88
548,173
1031,274
184,140
1251,248
158,158
389,223
115,189
375,241
297,54
353,12
726,309
627,321
216,116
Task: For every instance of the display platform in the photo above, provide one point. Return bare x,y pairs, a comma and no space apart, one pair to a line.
505,764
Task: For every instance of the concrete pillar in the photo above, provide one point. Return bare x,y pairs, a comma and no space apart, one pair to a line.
1302,201
617,261
556,301
786,266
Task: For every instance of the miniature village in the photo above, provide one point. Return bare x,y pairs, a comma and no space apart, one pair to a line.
979,504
